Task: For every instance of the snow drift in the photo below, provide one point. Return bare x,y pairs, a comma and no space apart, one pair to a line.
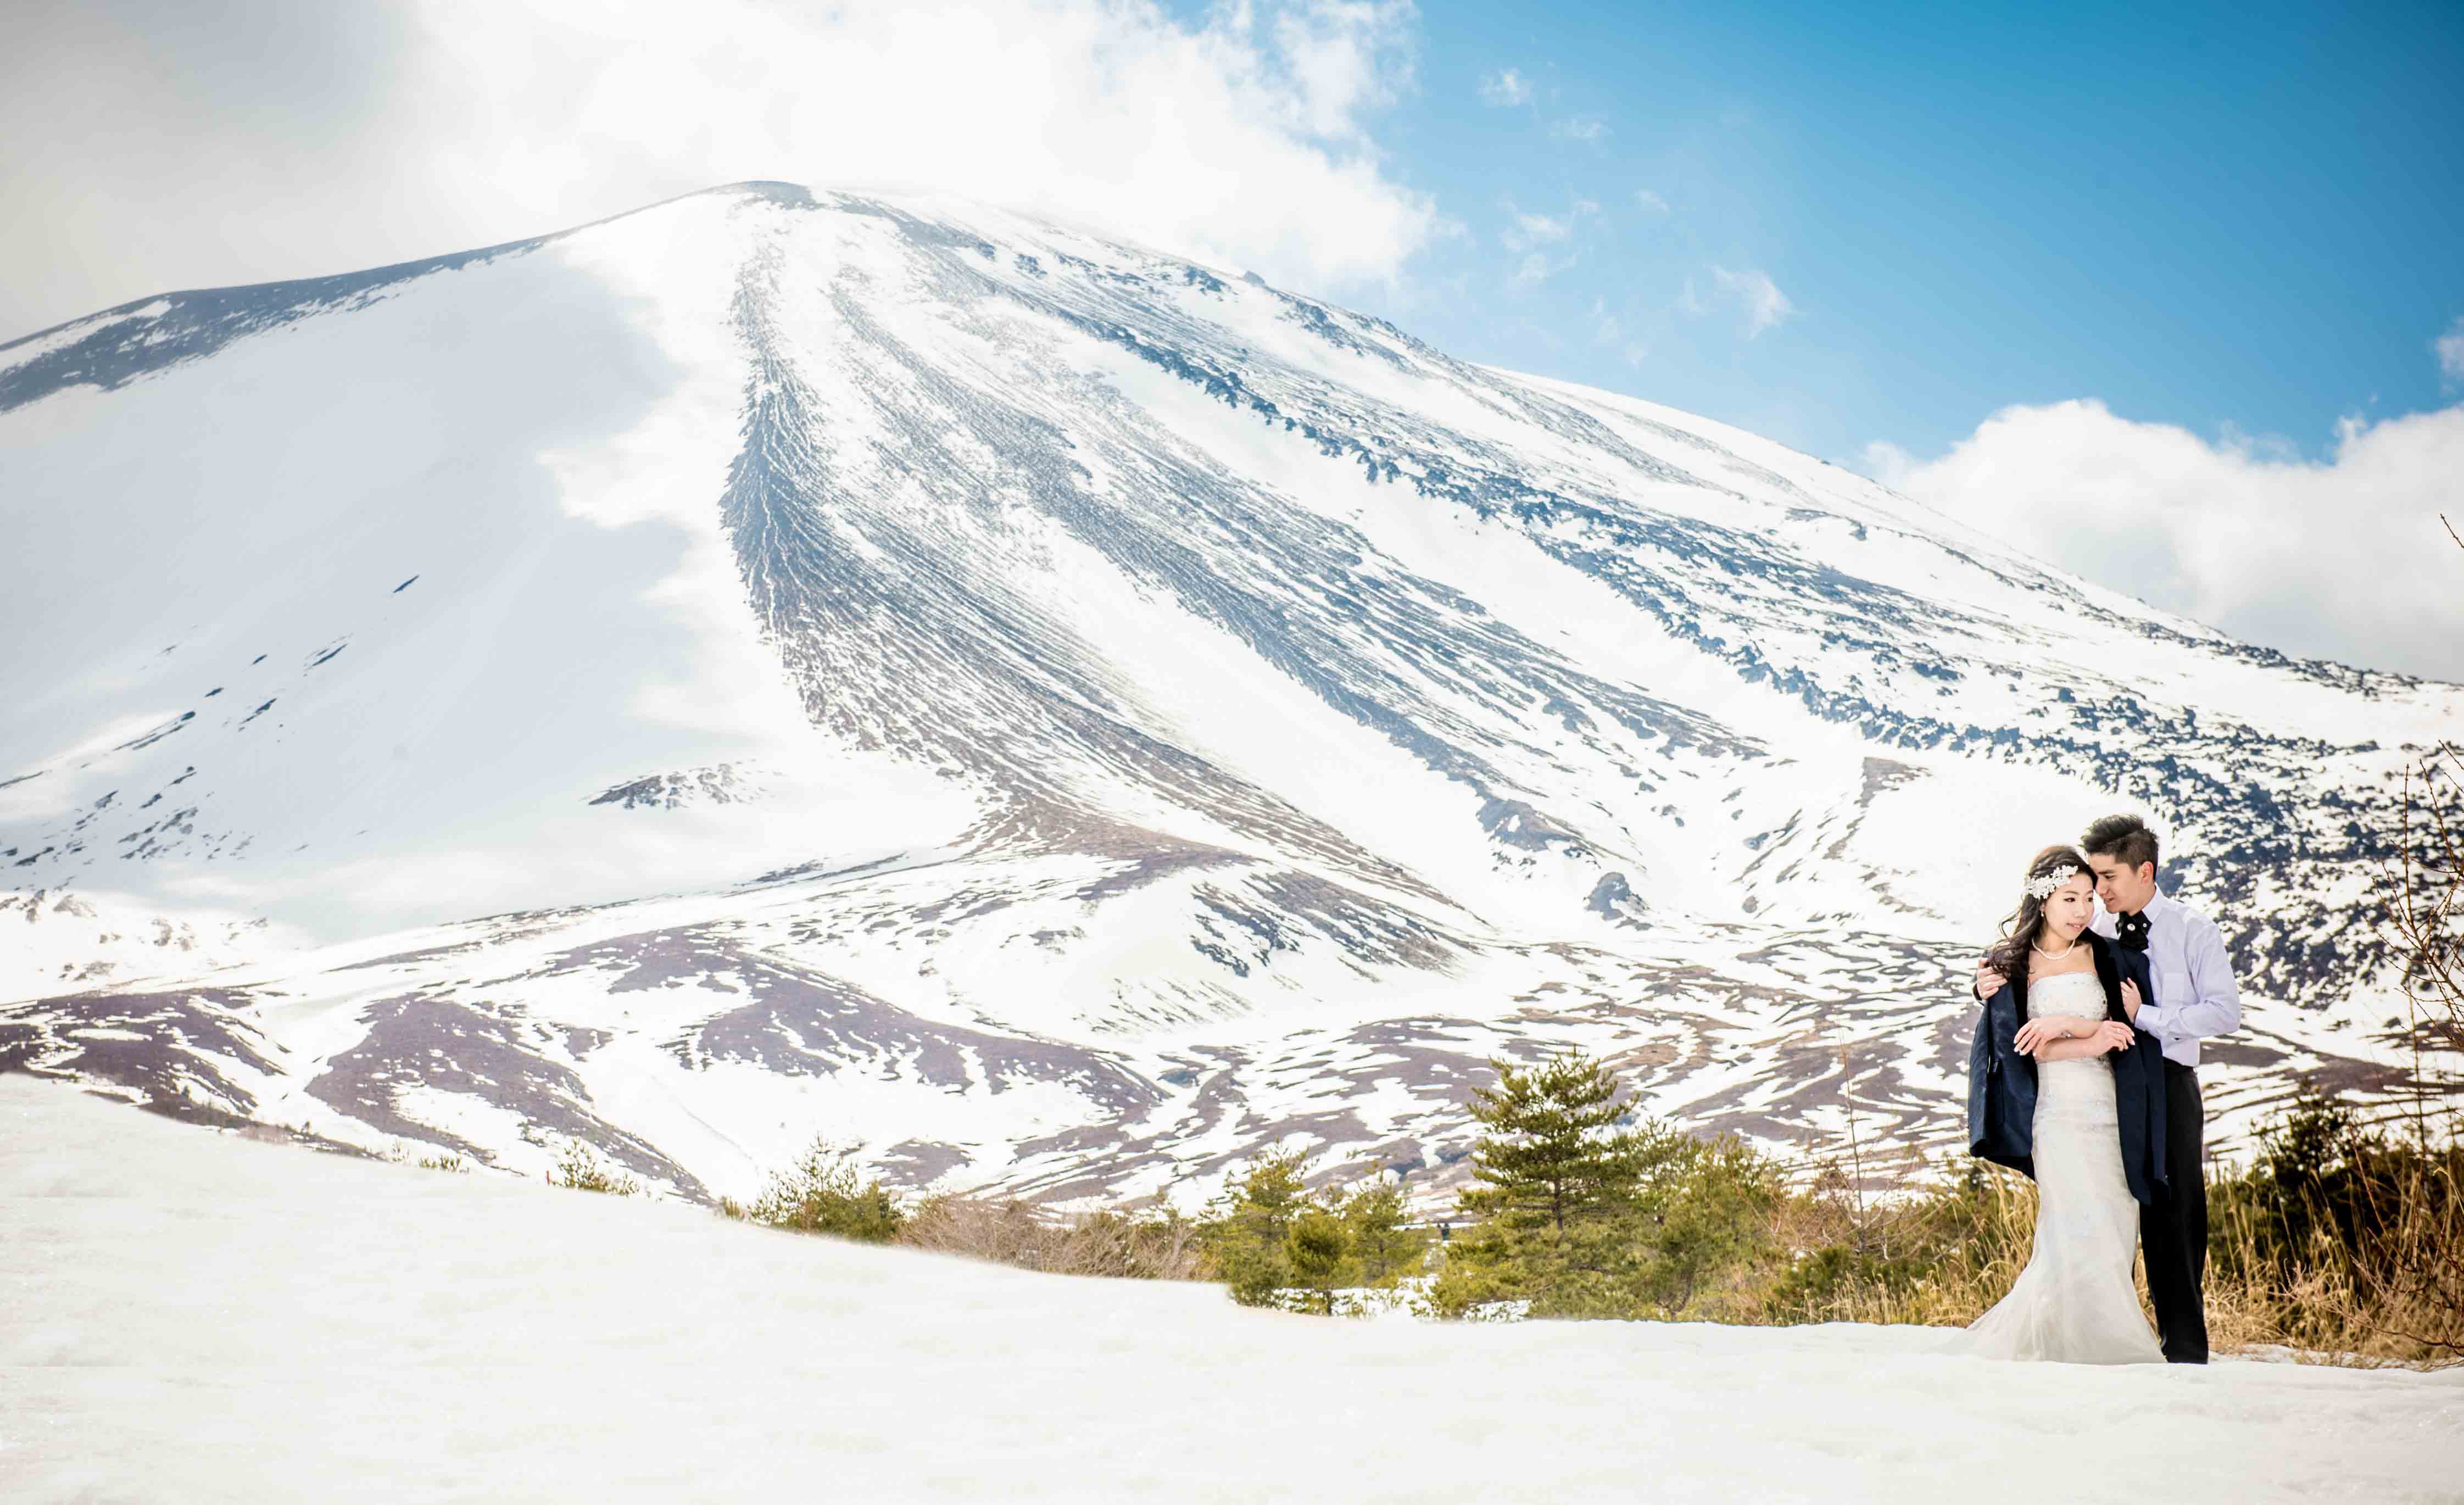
322,1329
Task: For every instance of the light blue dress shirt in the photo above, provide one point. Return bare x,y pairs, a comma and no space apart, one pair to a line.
2195,996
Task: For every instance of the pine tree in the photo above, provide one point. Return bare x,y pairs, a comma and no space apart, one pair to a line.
1552,1156
1583,1214
1315,1249
1558,1183
1703,1210
1248,1227
1382,1247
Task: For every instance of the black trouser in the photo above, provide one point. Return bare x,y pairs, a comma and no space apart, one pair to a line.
2173,1229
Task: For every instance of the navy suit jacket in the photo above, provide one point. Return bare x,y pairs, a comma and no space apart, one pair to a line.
2002,1081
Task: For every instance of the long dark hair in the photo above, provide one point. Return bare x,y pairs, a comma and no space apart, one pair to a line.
2010,954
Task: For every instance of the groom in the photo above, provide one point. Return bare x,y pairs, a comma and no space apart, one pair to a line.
2194,998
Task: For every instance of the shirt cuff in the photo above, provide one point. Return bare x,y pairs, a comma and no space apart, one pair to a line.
2151,1018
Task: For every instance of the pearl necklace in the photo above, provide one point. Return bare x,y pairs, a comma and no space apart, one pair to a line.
2050,956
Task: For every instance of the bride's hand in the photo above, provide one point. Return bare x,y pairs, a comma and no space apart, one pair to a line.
2113,1034
2037,1033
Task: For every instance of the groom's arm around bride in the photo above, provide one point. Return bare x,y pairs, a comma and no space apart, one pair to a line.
2193,996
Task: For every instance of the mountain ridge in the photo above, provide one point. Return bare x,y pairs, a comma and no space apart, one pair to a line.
1063,715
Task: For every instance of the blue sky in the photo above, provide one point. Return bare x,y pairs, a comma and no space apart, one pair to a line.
2245,217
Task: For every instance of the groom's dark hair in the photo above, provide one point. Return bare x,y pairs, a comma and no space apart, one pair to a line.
2124,838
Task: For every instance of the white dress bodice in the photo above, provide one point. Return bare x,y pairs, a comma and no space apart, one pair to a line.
2079,1089
2071,995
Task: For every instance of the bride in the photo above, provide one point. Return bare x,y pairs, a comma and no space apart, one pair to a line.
2061,1088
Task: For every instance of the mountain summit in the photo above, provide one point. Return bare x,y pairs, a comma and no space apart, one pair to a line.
1067,717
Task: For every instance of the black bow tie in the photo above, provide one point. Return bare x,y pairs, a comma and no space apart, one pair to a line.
2130,932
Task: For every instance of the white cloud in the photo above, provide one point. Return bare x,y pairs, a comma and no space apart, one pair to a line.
1606,326
1894,467
1533,268
2342,559
1651,201
1522,232
1506,87
2450,347
1526,235
302,139
1584,129
1609,329
1526,231
1764,305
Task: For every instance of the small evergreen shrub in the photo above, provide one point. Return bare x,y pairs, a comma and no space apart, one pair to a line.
1274,1241
1316,1251
1385,1248
1248,1227
821,1193
579,1167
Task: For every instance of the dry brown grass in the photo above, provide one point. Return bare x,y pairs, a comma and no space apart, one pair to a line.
1149,1244
1940,1248
2375,1267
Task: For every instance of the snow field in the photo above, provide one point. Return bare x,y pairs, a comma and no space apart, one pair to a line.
185,1315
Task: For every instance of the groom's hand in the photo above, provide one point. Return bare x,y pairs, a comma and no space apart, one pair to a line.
2130,999
1989,982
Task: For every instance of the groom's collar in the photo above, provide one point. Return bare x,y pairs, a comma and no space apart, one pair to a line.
2158,903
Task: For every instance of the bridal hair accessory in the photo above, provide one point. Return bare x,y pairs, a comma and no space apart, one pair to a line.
2041,887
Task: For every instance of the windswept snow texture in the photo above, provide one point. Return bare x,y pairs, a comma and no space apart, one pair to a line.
788,662
191,1317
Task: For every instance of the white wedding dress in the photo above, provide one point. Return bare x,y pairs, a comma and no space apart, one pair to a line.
2074,1303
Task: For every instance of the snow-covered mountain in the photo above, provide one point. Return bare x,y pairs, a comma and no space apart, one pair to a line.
61,941
788,661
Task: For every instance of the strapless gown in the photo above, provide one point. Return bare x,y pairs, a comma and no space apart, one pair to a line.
2074,1303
